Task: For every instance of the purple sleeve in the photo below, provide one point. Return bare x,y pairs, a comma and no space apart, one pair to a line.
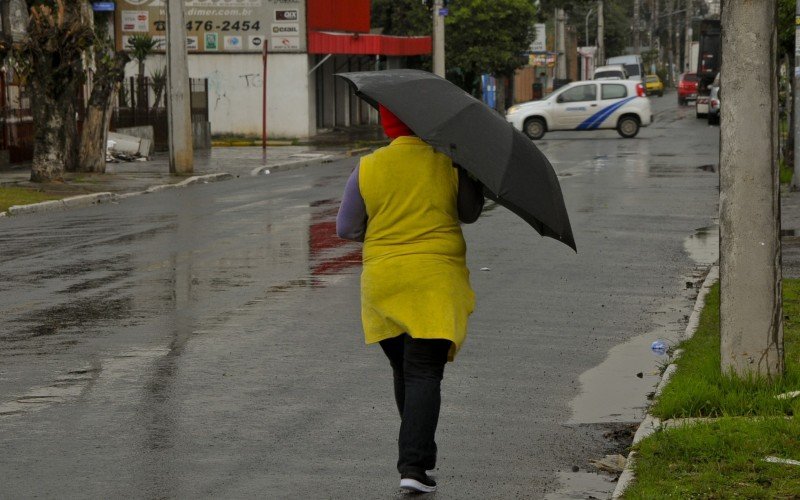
470,197
351,222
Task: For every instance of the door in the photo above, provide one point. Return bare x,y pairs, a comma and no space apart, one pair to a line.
575,105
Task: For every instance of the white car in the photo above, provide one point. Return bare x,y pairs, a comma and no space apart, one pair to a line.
586,105
611,72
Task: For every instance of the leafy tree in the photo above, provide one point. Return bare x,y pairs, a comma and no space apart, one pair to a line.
487,37
402,17
786,28
617,27
49,62
159,79
786,42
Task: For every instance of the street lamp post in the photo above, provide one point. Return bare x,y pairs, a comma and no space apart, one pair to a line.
587,25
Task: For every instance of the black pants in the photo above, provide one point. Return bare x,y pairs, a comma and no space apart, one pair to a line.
418,367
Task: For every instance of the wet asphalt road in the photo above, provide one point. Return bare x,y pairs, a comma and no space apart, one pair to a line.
205,342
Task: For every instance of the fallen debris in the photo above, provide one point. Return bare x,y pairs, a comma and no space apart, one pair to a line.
785,461
614,464
123,147
788,395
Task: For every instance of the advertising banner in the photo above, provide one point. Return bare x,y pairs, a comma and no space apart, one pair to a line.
218,25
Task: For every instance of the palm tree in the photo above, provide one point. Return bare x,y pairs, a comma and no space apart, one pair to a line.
142,46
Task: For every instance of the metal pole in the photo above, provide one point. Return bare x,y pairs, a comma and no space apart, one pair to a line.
796,100
438,38
687,47
637,43
561,62
181,155
601,46
264,98
587,26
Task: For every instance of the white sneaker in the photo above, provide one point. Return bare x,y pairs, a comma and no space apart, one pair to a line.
417,482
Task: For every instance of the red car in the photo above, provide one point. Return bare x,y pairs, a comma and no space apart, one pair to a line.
687,87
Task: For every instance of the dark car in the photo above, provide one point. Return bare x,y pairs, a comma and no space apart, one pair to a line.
687,87
714,106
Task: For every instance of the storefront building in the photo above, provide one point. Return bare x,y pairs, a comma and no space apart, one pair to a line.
306,42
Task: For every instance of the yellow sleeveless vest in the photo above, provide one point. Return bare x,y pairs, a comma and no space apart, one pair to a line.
415,279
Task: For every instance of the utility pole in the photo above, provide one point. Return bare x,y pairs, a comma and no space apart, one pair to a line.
561,61
438,38
796,101
601,44
670,7
654,29
637,39
750,314
687,46
181,154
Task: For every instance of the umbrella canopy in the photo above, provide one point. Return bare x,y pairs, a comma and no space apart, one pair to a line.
476,137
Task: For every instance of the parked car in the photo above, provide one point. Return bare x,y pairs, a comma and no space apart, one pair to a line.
687,87
714,106
586,105
632,64
654,85
611,72
701,105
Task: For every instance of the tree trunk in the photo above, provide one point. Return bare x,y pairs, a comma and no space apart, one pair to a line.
71,139
48,146
94,134
54,73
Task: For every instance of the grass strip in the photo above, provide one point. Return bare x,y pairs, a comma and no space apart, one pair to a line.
10,196
724,458
721,459
699,389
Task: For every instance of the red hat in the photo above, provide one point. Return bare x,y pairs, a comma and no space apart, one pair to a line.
392,125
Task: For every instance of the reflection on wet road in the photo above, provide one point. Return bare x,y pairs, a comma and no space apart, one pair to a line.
206,342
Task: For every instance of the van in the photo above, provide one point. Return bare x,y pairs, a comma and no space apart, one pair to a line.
610,72
633,65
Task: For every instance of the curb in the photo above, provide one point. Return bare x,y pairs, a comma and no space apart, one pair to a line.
266,169
54,205
108,197
651,424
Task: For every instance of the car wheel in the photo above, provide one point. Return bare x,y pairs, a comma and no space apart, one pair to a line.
535,128
681,102
661,94
628,127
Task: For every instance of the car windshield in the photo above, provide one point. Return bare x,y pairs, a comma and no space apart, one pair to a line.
691,77
652,79
608,74
632,69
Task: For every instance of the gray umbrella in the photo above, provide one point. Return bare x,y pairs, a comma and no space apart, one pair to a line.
509,165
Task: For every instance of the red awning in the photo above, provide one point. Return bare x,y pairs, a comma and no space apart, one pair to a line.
325,42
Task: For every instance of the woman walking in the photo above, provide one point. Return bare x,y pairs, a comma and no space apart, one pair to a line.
405,202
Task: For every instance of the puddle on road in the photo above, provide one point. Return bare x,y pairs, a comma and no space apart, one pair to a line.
582,486
703,245
66,387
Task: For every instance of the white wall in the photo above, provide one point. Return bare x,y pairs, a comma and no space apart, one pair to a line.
235,92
